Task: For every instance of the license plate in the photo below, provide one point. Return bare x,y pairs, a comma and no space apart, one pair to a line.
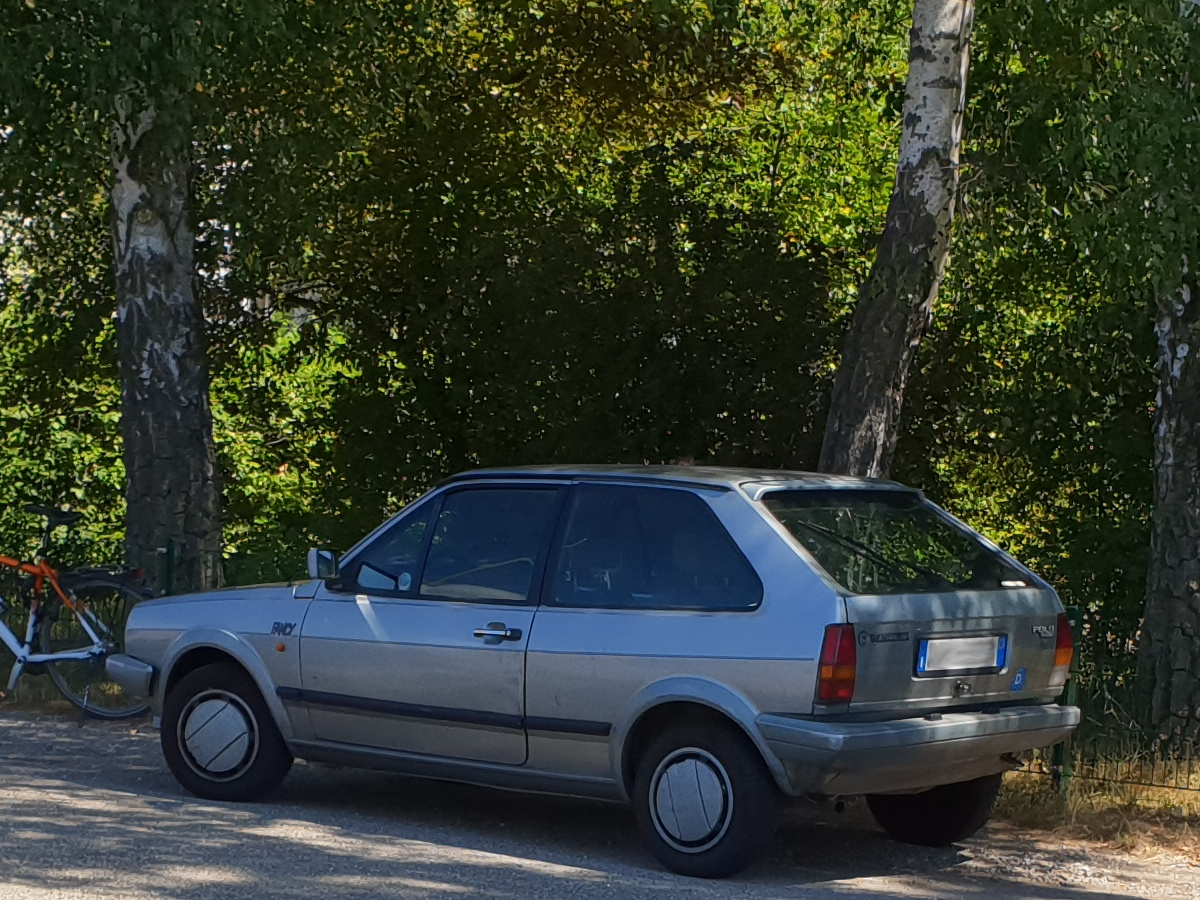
960,655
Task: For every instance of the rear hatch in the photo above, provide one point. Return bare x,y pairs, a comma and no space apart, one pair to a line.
920,652
942,619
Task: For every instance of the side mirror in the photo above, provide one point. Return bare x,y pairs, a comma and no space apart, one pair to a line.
322,564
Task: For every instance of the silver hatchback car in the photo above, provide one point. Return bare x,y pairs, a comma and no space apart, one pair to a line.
701,643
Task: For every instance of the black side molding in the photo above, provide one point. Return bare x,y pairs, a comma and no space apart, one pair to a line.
568,726
500,721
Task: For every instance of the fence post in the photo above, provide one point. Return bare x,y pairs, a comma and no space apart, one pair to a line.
1061,760
168,582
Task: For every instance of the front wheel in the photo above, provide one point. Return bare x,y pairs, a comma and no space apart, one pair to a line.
704,801
219,738
937,817
105,602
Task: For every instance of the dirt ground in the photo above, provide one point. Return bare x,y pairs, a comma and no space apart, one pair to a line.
89,810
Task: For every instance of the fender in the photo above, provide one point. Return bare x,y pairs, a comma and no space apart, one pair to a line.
234,645
701,691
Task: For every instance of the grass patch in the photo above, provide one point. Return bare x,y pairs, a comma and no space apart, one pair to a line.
36,692
1132,818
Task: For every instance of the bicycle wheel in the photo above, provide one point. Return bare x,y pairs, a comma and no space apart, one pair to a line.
106,601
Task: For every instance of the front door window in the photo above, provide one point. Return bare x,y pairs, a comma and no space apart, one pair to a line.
488,545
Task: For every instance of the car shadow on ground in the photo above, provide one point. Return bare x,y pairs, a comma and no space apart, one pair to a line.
82,808
814,843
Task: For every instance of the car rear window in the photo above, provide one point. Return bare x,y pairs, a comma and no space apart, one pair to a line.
650,548
889,542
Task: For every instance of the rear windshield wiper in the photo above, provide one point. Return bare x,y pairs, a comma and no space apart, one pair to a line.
897,566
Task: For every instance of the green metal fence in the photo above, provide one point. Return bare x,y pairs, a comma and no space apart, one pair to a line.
1111,746
234,568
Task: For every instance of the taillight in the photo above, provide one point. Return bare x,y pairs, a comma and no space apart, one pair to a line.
839,659
1064,649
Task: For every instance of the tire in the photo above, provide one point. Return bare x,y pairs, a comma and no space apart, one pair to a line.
219,738
107,601
937,817
711,774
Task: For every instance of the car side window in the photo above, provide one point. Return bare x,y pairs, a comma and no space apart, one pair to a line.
650,548
488,544
390,564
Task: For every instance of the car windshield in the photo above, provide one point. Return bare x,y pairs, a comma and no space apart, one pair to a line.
889,542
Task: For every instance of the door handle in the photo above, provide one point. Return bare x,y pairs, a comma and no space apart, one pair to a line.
495,632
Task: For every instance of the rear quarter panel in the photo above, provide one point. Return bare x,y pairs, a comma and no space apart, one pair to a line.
601,667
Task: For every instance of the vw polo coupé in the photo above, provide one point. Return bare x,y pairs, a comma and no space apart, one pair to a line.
700,643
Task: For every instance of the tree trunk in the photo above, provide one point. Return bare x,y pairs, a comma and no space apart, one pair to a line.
172,520
1169,656
895,304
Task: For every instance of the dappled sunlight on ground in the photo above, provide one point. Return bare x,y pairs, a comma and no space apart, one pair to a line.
91,809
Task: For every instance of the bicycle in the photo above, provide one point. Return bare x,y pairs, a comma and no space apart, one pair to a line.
77,624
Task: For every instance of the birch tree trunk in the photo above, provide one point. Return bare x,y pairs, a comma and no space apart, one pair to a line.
170,467
895,304
1169,656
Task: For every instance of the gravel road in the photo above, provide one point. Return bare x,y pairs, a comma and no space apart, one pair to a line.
88,810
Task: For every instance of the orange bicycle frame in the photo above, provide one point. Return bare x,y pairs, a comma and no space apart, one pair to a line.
42,572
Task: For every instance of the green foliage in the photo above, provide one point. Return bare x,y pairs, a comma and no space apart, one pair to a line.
1033,412
59,438
439,235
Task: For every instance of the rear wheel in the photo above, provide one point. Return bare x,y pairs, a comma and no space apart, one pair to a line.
105,602
937,817
219,738
704,801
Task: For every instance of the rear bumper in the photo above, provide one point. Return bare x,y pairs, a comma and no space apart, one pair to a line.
131,674
833,758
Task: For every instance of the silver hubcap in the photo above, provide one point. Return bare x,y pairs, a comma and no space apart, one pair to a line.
691,800
218,735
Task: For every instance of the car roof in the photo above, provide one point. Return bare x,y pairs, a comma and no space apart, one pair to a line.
714,477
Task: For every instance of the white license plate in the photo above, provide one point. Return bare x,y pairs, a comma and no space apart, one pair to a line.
961,654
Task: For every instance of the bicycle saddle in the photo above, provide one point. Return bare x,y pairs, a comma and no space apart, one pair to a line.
54,517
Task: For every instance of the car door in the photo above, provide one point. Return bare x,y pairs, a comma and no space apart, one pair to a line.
420,646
